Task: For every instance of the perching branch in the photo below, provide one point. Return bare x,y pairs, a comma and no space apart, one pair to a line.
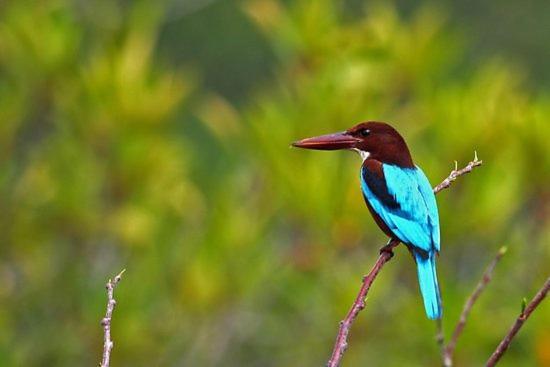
345,325
106,321
525,313
385,255
487,275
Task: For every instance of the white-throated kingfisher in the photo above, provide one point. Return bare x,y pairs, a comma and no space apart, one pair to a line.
398,195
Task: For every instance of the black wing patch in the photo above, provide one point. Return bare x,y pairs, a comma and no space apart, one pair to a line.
376,183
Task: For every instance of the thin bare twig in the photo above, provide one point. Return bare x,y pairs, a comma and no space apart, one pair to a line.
106,321
455,173
525,313
448,351
385,255
440,338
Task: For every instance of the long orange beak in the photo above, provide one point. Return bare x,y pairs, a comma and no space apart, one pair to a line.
341,140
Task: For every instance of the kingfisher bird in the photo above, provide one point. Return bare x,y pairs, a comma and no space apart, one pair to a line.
398,196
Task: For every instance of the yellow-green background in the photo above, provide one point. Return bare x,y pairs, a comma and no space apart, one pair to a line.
154,136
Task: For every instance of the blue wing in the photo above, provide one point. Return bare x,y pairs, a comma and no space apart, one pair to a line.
414,220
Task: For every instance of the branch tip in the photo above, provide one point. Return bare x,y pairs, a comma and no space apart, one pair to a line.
106,321
119,276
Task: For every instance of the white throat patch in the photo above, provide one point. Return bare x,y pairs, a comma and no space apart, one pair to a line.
364,155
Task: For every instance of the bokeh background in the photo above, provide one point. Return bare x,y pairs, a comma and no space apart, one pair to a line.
154,136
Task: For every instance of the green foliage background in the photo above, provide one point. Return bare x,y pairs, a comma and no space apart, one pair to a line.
154,136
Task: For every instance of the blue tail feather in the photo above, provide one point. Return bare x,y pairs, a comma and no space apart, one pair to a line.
427,278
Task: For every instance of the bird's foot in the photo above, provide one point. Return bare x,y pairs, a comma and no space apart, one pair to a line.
387,249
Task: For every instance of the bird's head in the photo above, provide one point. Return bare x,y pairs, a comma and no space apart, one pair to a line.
376,140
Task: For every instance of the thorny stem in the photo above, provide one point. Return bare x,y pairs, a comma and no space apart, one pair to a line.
359,303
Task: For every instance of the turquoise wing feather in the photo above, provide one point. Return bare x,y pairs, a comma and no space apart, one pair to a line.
415,219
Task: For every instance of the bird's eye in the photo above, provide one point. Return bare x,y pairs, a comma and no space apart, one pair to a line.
364,132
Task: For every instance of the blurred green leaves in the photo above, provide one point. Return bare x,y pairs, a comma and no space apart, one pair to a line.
239,249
